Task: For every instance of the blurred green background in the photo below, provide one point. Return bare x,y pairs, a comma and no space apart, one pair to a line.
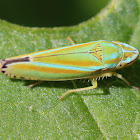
49,13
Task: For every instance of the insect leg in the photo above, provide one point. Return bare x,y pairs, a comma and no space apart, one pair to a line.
94,85
32,85
69,38
122,78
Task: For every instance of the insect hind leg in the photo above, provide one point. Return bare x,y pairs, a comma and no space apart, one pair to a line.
94,85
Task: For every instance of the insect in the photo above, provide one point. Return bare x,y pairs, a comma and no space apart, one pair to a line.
90,60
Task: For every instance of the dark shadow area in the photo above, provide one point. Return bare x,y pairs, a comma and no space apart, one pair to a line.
46,13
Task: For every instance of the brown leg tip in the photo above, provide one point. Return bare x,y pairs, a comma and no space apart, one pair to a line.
60,98
138,89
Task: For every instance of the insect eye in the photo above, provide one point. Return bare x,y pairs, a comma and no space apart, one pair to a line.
120,66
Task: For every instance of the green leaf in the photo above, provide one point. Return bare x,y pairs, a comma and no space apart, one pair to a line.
112,111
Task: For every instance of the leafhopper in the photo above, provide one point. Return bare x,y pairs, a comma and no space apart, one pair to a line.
90,60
